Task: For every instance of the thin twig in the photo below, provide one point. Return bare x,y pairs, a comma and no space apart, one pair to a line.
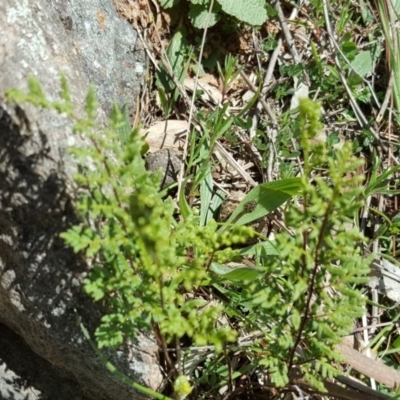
266,106
235,164
286,32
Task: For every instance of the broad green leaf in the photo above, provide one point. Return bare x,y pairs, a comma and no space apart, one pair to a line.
396,343
200,18
243,274
267,197
220,269
176,52
236,274
350,49
362,63
168,3
296,319
268,248
183,204
252,12
396,5
216,202
206,190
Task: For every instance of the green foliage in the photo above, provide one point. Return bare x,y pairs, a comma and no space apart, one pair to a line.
149,261
143,260
266,197
229,74
312,297
179,54
182,387
200,17
252,12
141,266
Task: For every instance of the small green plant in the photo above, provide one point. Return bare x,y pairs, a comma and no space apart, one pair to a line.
155,267
228,75
252,12
177,65
313,295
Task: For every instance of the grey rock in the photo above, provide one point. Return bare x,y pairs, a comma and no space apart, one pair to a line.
110,51
34,378
41,295
166,160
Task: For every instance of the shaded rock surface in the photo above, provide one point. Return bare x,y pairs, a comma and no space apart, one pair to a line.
26,376
168,161
40,278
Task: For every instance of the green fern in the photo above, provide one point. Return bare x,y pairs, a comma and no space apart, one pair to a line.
308,294
149,264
